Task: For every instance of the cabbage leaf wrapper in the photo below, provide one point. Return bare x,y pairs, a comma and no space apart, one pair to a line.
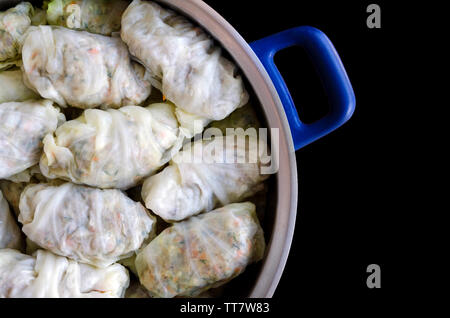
96,16
81,69
23,126
93,226
10,235
197,181
202,252
112,148
45,275
14,23
183,62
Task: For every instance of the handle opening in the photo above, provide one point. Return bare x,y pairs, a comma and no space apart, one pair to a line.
304,83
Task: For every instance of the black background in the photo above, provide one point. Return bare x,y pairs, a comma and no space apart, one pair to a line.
349,181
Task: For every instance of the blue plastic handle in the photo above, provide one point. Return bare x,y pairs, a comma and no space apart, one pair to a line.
331,71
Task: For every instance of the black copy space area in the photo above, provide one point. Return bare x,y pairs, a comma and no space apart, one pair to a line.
348,208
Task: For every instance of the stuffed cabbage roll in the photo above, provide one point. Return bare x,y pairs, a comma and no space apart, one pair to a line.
183,61
96,16
13,88
14,23
113,148
10,235
45,275
81,69
23,125
198,181
93,226
203,252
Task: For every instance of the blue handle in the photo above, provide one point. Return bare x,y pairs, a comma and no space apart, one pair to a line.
331,71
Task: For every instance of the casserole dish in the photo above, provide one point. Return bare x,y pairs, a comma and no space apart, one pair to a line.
287,132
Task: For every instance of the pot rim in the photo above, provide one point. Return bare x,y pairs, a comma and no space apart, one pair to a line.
287,187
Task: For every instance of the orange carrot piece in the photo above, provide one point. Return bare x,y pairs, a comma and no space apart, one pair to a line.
93,51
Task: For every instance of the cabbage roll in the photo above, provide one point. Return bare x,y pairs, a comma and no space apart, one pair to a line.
81,69
14,23
203,252
23,125
191,185
183,61
113,148
45,275
13,88
10,235
93,226
96,16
